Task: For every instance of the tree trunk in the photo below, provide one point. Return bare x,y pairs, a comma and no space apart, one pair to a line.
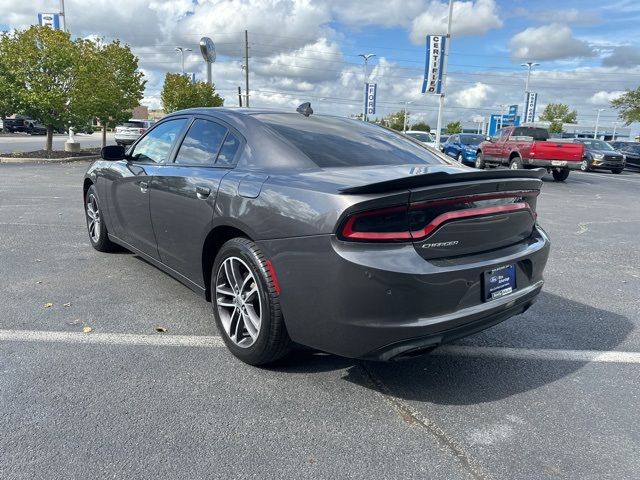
4,124
49,145
104,135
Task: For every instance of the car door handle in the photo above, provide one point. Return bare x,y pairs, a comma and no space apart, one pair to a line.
144,186
203,192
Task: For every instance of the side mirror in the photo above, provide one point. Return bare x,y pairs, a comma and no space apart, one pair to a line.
112,153
488,139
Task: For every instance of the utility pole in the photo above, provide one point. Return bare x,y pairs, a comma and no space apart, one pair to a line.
64,17
595,133
365,57
615,126
246,66
444,74
239,96
406,105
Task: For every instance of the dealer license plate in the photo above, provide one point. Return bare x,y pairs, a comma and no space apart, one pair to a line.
499,282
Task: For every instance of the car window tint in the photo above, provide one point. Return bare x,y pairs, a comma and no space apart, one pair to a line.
134,124
228,151
538,134
156,145
201,144
342,142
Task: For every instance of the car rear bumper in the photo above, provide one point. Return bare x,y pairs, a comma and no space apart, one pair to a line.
123,138
570,164
385,301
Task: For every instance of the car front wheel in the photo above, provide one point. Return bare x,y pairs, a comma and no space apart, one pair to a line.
617,170
246,304
480,161
584,165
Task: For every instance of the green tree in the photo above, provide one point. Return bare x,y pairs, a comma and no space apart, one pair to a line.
558,114
395,120
629,106
423,127
179,93
109,83
44,63
8,101
453,127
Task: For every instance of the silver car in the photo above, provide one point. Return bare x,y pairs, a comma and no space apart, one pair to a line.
130,131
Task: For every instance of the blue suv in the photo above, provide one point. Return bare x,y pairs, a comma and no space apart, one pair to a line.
463,147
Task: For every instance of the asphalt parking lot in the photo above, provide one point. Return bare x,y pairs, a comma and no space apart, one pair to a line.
553,393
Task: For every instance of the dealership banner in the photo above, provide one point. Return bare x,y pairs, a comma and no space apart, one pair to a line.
432,82
530,112
49,20
370,105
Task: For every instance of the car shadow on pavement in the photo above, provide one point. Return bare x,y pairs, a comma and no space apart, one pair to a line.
552,323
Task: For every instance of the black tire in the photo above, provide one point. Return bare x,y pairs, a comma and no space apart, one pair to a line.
515,163
585,165
272,341
100,241
480,161
560,175
617,170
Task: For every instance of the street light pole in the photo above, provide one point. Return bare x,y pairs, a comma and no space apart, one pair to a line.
595,133
365,57
529,66
64,17
182,50
615,126
444,74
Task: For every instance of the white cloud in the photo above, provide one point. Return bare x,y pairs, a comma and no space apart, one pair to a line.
604,98
473,97
469,18
548,42
558,15
623,56
387,13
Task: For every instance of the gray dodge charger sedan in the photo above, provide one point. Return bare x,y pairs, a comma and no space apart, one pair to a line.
314,230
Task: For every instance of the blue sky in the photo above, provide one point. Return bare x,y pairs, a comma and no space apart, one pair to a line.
307,50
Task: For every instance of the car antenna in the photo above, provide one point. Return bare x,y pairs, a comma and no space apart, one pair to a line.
305,109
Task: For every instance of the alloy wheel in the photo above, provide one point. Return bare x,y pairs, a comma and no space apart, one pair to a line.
238,302
93,218
584,166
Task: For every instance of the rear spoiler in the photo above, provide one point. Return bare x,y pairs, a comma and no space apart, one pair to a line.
441,178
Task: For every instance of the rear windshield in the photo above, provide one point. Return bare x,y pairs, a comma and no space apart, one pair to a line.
133,124
421,137
538,134
341,142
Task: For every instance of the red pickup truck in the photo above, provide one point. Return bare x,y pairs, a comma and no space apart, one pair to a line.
530,147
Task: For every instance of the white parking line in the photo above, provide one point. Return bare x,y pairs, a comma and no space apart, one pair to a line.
214,341
539,354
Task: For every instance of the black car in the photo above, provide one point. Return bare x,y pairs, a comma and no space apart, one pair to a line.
620,144
632,154
321,231
600,155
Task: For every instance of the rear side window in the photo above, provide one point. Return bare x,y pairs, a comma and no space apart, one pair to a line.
201,144
340,142
228,151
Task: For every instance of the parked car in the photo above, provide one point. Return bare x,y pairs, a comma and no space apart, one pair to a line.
632,155
24,124
423,137
130,131
618,144
529,147
600,155
443,140
321,231
463,147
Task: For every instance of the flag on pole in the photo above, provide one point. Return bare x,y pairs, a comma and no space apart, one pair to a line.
434,66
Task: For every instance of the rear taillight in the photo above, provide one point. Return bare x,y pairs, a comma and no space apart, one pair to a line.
418,220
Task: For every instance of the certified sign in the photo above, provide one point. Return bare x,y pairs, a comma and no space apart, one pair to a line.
208,49
432,82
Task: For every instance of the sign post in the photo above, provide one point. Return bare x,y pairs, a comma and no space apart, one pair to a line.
51,20
530,113
208,51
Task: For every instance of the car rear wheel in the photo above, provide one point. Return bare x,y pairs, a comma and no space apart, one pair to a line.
515,164
560,175
480,161
95,224
617,170
246,304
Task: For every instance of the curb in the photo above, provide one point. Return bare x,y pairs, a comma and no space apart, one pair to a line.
47,160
